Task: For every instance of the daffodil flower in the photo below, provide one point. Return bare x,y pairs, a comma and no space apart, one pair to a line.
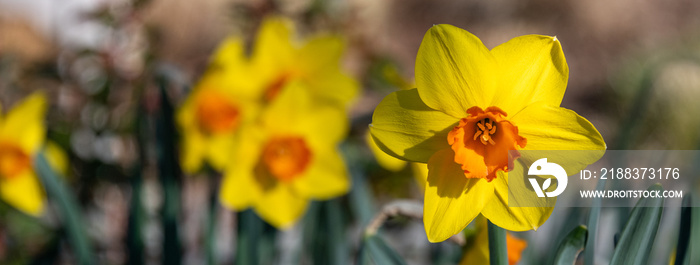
236,86
289,157
280,58
471,106
209,118
22,134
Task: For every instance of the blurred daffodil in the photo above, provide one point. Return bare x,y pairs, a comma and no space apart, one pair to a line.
287,158
236,86
471,106
213,113
279,59
477,251
22,135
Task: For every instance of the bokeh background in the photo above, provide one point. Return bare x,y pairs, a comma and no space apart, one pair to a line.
634,73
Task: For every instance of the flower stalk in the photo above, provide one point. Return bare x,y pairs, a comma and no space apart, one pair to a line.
498,251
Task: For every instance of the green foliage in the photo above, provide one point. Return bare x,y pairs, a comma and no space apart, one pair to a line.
375,251
68,207
571,246
637,239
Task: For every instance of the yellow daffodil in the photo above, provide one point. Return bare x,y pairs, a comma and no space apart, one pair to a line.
221,101
22,134
471,106
287,158
235,86
279,58
478,248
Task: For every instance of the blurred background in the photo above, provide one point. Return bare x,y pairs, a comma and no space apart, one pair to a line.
634,73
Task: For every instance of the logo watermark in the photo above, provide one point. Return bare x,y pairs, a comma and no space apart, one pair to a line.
542,167
618,178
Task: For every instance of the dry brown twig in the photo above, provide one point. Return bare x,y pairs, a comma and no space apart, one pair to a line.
408,208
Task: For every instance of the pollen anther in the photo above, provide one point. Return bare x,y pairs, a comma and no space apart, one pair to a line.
485,129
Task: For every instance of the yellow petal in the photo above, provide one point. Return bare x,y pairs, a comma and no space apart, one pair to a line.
319,66
273,50
193,151
219,151
334,85
231,72
229,53
454,71
386,161
25,123
404,127
515,218
23,192
296,112
57,158
185,115
532,68
548,127
325,178
289,109
239,188
321,53
280,207
451,200
324,124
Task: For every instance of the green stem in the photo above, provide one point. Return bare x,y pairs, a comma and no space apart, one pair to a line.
211,224
134,241
250,230
170,176
498,252
68,207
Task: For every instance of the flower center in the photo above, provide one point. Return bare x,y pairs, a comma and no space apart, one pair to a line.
485,128
286,157
482,142
216,114
13,161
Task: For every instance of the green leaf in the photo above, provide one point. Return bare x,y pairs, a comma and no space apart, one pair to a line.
68,207
250,237
329,243
169,174
571,246
375,251
593,225
684,235
638,235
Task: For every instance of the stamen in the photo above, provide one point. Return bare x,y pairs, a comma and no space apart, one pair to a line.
485,129
476,135
485,138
